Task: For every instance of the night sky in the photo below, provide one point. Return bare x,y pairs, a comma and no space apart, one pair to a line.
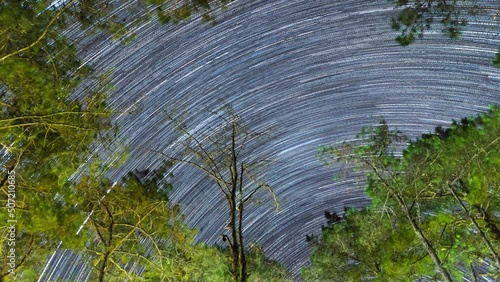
309,73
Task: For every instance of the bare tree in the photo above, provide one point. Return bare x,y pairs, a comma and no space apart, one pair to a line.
220,156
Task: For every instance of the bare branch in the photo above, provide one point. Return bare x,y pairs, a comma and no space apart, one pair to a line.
209,173
208,157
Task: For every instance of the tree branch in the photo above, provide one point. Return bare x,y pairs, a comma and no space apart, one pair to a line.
44,33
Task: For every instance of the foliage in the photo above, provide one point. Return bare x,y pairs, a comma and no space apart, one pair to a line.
45,135
463,182
181,10
417,16
200,262
132,222
439,202
262,269
365,244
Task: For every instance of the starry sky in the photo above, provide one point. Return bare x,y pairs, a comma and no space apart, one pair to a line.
309,72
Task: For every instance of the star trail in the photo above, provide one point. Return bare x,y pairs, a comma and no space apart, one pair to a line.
309,73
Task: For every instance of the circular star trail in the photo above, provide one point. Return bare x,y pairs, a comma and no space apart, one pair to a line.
310,73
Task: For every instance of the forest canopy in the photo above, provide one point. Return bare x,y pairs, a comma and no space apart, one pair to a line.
434,212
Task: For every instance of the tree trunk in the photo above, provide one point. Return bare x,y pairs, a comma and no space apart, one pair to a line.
243,262
479,229
490,224
235,224
235,246
474,275
427,245
107,243
102,270
23,260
